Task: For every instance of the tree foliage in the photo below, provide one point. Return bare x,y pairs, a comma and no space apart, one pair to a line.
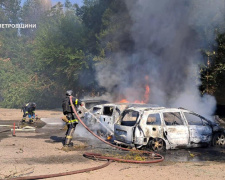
213,71
69,41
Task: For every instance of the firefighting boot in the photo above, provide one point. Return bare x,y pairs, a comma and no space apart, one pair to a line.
23,120
69,137
31,121
70,144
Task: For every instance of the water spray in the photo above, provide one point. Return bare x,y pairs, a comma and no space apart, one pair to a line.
111,133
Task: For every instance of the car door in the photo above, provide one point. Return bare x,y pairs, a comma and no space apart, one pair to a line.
91,117
107,117
200,131
175,129
151,124
124,128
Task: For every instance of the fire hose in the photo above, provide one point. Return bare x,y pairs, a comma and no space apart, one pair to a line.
61,174
155,156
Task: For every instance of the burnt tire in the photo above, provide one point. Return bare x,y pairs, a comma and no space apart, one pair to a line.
157,145
219,139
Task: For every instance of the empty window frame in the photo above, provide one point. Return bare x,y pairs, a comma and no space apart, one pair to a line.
129,118
108,111
173,118
193,119
153,119
97,110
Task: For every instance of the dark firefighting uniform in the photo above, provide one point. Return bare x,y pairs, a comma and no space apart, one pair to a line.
29,110
72,121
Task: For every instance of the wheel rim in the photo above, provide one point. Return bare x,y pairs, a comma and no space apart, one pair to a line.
220,140
157,144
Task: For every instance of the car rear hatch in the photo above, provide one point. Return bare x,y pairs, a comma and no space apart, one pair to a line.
123,133
124,129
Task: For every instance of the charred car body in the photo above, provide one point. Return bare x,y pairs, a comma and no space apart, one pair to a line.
88,104
160,128
103,117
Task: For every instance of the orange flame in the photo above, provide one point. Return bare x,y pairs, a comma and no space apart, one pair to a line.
124,101
146,97
147,93
109,138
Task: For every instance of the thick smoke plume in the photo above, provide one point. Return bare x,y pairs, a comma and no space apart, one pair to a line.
168,36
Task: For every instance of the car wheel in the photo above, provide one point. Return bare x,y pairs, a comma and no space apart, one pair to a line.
219,139
157,145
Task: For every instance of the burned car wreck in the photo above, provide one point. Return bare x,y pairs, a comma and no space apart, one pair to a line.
89,103
160,128
103,117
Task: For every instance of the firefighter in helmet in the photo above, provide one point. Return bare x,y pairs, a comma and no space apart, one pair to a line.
70,118
29,110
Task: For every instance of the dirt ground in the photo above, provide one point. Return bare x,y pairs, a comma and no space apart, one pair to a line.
40,153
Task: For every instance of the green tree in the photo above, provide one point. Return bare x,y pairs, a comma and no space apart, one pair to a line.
91,15
213,72
17,86
59,51
10,10
115,32
41,64
32,12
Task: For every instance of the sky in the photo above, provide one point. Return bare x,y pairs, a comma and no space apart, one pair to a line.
79,2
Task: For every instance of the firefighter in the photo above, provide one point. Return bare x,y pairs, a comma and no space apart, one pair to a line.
29,110
70,119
